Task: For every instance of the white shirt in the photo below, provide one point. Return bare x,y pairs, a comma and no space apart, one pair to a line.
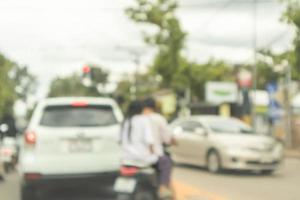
136,151
161,132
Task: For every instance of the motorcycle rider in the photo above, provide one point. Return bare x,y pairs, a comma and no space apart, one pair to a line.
137,138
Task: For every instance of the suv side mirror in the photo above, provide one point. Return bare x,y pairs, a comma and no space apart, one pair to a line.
200,131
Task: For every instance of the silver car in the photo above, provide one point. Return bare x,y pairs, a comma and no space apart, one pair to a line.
224,143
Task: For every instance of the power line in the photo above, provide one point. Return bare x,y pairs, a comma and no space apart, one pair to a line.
217,13
276,39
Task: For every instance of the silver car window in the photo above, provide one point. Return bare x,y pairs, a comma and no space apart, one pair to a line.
229,126
190,126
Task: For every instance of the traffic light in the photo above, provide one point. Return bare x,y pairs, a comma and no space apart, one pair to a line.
86,69
87,76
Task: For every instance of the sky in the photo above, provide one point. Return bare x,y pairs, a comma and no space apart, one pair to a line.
57,37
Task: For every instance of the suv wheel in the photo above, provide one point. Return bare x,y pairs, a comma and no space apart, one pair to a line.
214,162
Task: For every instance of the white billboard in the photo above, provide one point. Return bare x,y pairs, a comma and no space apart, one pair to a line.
221,92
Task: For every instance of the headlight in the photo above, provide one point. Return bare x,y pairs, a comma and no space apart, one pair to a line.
242,149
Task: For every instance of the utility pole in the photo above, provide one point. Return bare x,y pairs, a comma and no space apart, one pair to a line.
136,57
288,78
137,60
254,70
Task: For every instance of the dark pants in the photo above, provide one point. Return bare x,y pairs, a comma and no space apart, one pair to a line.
164,167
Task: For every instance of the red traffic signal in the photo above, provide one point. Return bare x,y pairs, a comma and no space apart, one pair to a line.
86,69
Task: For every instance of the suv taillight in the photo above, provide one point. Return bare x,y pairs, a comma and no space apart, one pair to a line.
30,138
32,176
128,171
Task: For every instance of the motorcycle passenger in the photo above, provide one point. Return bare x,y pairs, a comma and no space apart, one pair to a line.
162,138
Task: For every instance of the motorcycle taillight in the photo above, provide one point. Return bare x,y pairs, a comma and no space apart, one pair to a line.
129,171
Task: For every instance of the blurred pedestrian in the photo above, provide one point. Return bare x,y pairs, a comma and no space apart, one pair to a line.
162,138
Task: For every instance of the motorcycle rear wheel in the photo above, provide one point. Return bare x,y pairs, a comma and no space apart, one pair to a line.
143,194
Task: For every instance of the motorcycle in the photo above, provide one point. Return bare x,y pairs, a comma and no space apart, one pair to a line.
137,183
9,153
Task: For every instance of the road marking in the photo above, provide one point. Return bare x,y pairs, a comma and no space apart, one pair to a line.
187,192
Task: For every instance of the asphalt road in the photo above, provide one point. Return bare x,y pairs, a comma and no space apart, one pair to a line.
283,185
196,184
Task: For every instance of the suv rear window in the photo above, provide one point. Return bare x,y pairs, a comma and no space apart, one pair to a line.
69,116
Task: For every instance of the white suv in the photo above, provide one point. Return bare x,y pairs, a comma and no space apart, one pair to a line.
70,141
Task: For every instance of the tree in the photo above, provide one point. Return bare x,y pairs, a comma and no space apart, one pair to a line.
267,67
16,82
292,16
99,75
168,40
176,71
25,82
71,86
7,92
213,70
147,84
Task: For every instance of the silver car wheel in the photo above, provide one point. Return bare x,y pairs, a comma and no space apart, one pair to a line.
213,162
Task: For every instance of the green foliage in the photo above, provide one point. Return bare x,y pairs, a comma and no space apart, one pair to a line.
270,69
15,83
25,82
147,84
169,38
99,75
123,93
292,16
7,93
71,86
213,70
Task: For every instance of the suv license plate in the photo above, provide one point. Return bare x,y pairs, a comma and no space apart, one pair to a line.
78,146
125,185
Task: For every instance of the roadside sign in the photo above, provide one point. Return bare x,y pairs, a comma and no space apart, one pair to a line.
221,92
275,110
272,87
